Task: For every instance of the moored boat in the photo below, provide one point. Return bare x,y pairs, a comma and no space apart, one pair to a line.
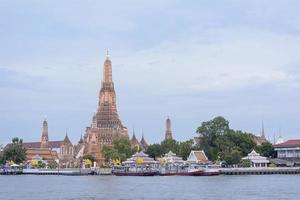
190,170
134,171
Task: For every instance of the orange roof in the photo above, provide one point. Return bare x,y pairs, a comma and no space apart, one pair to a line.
200,155
46,154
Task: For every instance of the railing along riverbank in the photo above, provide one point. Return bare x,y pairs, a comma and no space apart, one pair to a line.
260,171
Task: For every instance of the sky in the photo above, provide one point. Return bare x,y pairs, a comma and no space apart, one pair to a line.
191,60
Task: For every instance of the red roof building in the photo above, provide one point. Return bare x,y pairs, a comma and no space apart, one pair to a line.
288,150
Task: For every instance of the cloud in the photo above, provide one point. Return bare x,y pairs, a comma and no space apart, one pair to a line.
190,60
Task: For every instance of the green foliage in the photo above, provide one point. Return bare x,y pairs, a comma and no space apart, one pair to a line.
266,149
89,157
272,165
41,165
185,148
52,164
110,153
222,143
182,149
1,158
245,163
15,152
155,151
121,149
169,145
232,157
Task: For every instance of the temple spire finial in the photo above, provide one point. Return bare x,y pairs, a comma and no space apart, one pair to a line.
262,129
107,54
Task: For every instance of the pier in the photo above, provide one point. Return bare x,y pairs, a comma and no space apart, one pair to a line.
260,171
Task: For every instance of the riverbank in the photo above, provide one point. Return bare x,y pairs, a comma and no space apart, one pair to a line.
107,171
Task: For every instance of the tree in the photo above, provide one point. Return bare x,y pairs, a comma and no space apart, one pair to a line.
209,133
52,164
222,143
266,149
155,151
15,151
245,163
184,148
110,153
123,147
233,157
169,145
120,149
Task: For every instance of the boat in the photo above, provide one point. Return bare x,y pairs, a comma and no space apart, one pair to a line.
134,171
189,170
183,170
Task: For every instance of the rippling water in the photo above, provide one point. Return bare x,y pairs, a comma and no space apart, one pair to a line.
264,187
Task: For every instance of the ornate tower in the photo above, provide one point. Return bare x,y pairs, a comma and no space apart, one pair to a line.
106,125
143,144
134,142
45,139
168,133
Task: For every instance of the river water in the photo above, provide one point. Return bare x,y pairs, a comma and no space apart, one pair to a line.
264,187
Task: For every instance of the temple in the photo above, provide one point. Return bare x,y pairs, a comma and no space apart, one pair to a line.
61,151
168,133
262,138
106,125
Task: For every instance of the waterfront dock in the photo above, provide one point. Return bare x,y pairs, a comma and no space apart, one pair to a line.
260,171
66,172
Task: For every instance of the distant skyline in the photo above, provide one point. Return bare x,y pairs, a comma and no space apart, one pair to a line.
190,60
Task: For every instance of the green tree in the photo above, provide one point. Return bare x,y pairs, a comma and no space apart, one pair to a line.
41,165
120,149
184,148
245,163
266,149
233,157
52,164
222,143
154,151
209,134
170,145
15,151
123,147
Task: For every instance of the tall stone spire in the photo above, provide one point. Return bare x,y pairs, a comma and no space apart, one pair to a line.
106,125
45,138
107,114
107,69
263,129
168,133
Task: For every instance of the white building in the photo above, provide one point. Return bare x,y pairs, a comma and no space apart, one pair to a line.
256,159
288,150
171,158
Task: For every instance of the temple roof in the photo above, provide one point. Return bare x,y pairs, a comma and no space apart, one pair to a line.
67,140
52,144
255,157
143,143
197,156
134,141
46,154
